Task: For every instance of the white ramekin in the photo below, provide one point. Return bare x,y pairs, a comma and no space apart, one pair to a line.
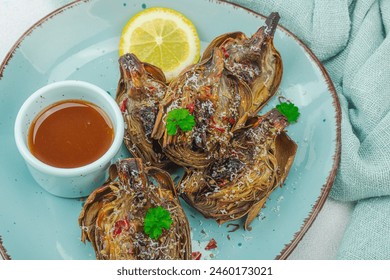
68,182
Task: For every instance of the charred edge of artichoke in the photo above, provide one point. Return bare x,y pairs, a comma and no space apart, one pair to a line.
129,61
271,24
3,251
129,170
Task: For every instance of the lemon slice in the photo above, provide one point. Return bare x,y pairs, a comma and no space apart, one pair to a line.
162,37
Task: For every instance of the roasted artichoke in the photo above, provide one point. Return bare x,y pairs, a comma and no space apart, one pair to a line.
238,184
254,60
219,102
113,217
140,89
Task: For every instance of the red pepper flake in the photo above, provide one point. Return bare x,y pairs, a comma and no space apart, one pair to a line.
230,120
212,244
124,105
222,183
207,90
123,223
214,126
191,107
117,231
217,128
225,52
152,89
196,255
119,226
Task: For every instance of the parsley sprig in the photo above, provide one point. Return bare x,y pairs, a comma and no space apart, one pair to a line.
179,118
155,220
289,110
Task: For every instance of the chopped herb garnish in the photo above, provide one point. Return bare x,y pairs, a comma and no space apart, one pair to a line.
289,110
179,118
155,220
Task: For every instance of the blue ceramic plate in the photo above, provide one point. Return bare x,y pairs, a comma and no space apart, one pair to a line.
80,41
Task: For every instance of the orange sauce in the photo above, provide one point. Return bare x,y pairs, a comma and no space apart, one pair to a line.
70,133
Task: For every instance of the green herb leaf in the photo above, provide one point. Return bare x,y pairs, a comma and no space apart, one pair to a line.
289,110
179,118
171,127
155,220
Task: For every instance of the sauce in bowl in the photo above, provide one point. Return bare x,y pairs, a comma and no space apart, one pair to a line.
70,133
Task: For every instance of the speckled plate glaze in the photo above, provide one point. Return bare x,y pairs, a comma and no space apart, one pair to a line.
79,41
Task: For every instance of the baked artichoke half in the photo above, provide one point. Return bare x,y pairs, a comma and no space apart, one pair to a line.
239,184
140,89
219,102
113,216
254,60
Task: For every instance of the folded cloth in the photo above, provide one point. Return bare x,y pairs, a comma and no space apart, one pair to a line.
350,38
368,234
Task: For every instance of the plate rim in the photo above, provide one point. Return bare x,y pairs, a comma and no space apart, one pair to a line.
325,190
